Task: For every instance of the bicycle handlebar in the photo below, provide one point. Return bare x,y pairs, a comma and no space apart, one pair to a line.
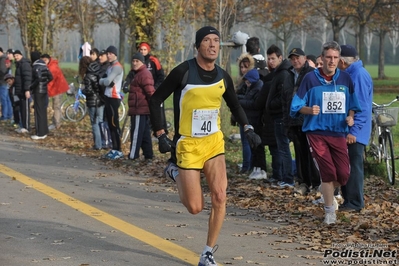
385,104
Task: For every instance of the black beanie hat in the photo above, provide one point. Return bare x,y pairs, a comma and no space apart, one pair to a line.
17,52
138,56
35,56
112,49
201,33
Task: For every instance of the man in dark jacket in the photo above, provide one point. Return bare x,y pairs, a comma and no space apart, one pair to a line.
307,174
274,105
141,90
23,80
41,76
94,102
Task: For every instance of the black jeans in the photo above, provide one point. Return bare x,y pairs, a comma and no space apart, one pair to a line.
111,111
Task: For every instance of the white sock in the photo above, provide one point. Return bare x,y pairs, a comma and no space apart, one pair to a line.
206,249
329,209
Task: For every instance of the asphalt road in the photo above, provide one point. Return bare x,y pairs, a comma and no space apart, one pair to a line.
63,209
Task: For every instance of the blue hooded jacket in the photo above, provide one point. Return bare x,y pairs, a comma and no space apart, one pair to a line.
315,90
363,85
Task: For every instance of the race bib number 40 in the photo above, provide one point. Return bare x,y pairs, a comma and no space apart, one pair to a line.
333,103
204,122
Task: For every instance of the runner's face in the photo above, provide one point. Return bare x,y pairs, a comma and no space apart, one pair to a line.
209,47
330,61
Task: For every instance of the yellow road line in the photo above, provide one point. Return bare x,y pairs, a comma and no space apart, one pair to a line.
125,227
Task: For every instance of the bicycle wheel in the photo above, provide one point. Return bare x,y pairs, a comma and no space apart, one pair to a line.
122,111
389,157
125,129
64,105
73,115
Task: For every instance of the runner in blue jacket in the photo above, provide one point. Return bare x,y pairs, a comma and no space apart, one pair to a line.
327,100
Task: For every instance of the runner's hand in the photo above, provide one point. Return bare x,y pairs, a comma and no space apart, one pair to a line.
164,144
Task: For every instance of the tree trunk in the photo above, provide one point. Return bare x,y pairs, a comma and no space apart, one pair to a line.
362,32
122,38
335,29
381,56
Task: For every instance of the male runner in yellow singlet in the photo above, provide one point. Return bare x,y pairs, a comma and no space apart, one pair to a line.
199,86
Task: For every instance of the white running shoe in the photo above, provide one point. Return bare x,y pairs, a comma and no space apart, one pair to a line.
330,218
254,172
258,175
36,137
207,259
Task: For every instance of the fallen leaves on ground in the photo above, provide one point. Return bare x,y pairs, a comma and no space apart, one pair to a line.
299,220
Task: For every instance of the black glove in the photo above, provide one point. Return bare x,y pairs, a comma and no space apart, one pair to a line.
125,87
111,84
253,138
164,144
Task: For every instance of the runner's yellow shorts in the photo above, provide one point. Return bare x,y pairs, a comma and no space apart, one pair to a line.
192,153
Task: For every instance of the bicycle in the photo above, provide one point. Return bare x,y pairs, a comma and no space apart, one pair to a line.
381,146
75,111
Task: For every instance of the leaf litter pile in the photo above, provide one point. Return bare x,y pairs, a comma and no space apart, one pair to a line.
300,221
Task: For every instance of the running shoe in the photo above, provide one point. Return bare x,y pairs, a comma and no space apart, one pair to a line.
171,170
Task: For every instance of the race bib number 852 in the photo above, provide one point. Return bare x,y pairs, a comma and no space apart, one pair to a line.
333,103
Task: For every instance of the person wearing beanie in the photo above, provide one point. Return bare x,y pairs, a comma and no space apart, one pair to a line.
359,133
112,81
247,101
34,56
55,88
6,108
41,76
112,49
22,83
140,91
198,86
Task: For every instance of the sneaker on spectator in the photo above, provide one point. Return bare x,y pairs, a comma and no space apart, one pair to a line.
116,155
22,130
330,218
110,154
171,170
254,172
36,137
271,180
51,127
258,175
282,184
206,259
